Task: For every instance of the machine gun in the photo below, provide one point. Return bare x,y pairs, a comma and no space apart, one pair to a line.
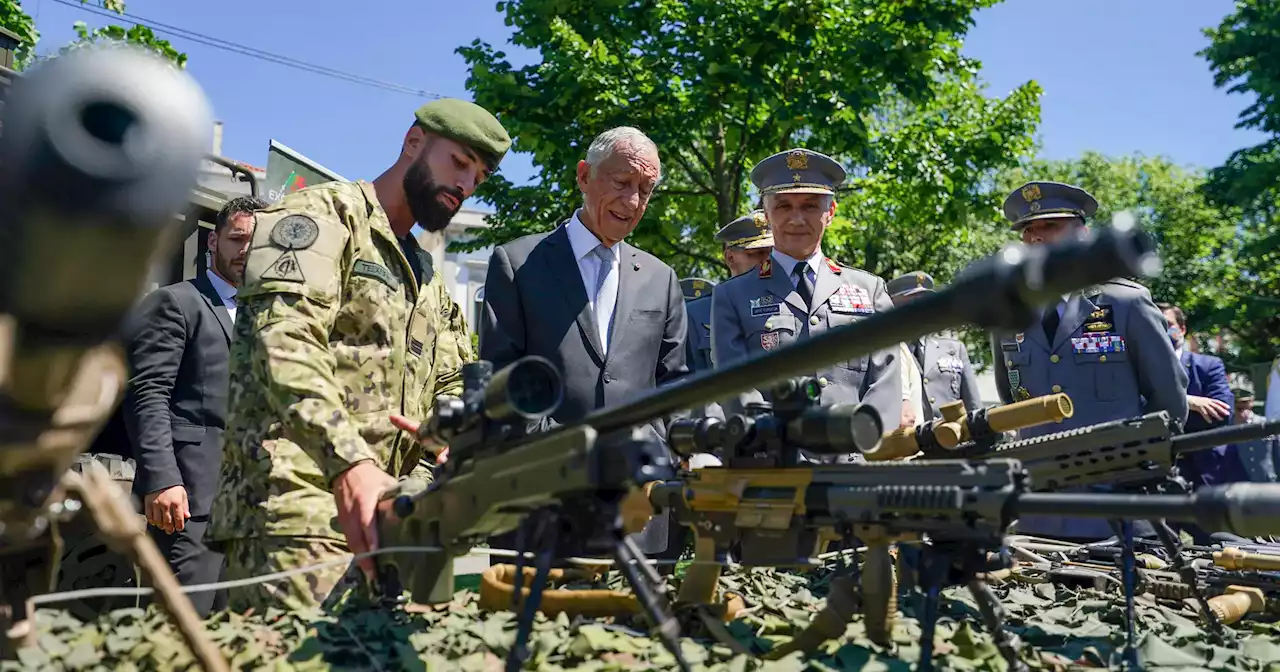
100,149
959,509
566,487
1133,455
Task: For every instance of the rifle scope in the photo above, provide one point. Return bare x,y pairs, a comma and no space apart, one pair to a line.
794,419
526,390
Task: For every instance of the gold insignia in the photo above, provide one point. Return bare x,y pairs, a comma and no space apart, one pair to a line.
1031,193
697,293
797,160
833,266
1098,314
766,268
761,222
796,177
919,279
1098,326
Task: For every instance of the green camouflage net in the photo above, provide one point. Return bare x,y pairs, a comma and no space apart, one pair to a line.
1065,628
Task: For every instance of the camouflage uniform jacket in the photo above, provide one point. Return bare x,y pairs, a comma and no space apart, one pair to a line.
332,335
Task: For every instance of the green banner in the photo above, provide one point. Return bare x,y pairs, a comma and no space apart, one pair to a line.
289,171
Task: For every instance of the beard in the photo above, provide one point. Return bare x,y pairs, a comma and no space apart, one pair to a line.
228,269
423,196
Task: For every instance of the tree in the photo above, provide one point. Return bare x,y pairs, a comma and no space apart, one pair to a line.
720,84
1244,57
1197,238
13,18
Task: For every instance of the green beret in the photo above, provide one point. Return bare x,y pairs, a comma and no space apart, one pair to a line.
467,123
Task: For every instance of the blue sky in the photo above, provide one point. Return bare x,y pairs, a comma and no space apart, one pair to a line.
1119,76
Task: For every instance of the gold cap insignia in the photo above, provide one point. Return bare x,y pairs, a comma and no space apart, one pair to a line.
795,177
919,279
761,222
1031,193
797,160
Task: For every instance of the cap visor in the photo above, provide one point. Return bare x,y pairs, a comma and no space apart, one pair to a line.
912,292
1021,223
800,190
758,244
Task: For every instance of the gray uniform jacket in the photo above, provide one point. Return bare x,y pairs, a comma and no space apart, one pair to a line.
760,311
698,354
947,376
1110,354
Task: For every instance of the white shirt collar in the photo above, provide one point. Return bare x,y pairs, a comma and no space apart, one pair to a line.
581,240
224,289
788,262
1177,353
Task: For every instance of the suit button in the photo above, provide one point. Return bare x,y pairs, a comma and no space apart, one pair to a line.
1008,363
926,380
813,320
1102,358
1056,389
608,378
1054,358
933,400
823,382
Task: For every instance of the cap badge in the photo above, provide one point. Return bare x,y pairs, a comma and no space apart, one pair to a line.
761,222
919,279
1031,192
797,160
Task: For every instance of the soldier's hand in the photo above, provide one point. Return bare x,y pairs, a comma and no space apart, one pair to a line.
167,509
908,416
356,491
411,426
1210,409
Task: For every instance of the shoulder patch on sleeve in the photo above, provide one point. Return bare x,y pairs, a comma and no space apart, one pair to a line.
297,247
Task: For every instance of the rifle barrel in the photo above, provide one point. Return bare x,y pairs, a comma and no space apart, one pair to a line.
1246,509
1000,292
1221,436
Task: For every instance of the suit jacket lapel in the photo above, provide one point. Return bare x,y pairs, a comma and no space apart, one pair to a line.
628,284
211,298
827,284
565,267
1035,334
1077,309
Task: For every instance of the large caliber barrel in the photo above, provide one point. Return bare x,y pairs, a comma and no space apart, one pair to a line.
1001,292
957,427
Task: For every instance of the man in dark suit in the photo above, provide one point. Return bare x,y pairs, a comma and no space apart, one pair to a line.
1211,405
609,316
176,401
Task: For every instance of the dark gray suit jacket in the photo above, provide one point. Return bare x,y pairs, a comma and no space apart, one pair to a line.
535,304
175,405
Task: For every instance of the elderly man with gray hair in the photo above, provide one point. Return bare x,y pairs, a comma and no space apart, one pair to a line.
611,317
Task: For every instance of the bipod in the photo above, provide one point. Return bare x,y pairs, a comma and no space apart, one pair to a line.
544,539
934,571
989,604
1173,546
1129,578
645,581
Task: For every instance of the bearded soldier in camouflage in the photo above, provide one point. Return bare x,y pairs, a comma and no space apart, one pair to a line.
342,323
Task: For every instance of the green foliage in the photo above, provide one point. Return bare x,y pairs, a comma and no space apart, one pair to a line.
720,84
13,18
1242,55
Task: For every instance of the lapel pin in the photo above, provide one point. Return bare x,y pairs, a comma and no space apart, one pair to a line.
635,267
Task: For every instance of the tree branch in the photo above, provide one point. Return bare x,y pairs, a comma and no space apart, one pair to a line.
699,256
693,176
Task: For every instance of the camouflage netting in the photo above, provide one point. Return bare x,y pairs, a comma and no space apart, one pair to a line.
1067,629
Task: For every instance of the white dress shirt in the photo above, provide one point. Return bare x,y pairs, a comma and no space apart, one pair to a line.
583,243
225,292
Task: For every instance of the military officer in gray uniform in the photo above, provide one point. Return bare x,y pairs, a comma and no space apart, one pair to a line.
697,306
798,291
1107,347
747,241
945,370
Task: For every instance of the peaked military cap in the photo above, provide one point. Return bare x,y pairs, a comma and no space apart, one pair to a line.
797,171
1044,200
911,283
696,288
749,232
469,124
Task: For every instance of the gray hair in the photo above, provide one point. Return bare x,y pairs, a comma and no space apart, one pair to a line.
607,143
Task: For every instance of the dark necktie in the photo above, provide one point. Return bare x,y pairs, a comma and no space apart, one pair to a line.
1050,322
918,350
804,286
